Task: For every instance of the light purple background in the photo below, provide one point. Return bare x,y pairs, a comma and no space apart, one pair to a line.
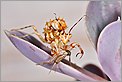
16,14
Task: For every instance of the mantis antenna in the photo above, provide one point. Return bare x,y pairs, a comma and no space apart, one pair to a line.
76,24
55,15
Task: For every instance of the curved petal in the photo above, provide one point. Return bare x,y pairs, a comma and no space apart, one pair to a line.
95,69
109,44
99,14
37,55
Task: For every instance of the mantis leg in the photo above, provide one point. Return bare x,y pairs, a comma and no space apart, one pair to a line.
35,32
72,45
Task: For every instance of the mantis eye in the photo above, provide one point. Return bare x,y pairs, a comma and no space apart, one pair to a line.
68,52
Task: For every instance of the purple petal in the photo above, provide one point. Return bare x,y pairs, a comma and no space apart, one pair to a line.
96,70
38,55
99,14
109,46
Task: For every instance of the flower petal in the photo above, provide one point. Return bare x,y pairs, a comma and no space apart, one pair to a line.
109,46
37,55
95,69
99,14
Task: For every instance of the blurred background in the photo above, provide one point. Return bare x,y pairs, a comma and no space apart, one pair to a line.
16,14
